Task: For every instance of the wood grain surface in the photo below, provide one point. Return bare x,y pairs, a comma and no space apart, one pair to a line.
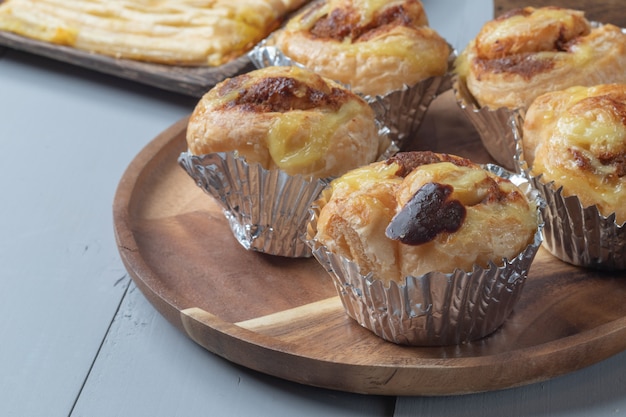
282,316
606,11
193,81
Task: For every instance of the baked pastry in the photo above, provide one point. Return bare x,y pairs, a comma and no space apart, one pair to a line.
574,145
527,52
426,248
183,32
286,118
382,50
530,51
577,138
419,212
373,46
264,143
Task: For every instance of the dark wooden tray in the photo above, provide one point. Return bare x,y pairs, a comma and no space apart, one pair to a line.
193,81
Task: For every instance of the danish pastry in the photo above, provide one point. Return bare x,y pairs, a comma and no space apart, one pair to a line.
373,46
577,138
181,32
419,212
530,51
286,118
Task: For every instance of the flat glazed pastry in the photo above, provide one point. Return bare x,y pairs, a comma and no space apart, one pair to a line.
574,147
427,248
527,52
286,118
182,32
374,46
419,212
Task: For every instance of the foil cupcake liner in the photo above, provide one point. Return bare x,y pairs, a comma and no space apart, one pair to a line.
493,125
578,235
401,111
435,309
267,210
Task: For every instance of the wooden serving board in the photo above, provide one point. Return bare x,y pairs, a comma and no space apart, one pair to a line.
282,316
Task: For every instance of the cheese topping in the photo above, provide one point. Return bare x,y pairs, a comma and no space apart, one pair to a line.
577,138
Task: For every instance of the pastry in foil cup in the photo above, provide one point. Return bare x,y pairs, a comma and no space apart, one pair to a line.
434,309
401,111
493,125
575,234
267,210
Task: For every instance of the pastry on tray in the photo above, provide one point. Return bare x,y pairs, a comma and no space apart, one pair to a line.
427,248
264,143
184,32
527,52
377,48
573,145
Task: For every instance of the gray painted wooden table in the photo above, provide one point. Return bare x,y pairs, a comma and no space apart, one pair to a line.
77,338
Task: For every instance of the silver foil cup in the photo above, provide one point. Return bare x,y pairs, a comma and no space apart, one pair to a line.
267,210
401,111
493,125
435,309
575,234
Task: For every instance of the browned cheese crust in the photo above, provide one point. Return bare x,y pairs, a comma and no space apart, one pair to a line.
420,212
577,138
530,51
374,46
286,118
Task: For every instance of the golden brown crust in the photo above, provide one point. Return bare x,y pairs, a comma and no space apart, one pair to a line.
286,118
373,46
577,138
466,216
530,51
174,32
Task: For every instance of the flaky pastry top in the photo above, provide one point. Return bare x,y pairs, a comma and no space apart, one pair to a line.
530,51
577,138
173,32
286,118
420,212
375,46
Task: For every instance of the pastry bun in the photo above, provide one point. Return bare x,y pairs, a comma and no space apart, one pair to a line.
286,118
577,138
374,46
527,52
419,212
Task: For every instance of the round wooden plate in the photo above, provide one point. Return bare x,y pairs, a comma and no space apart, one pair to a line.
282,316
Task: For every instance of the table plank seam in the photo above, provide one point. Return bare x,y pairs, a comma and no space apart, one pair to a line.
104,338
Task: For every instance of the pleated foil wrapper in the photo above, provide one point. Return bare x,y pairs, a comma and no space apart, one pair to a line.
267,210
573,233
401,111
435,309
493,125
